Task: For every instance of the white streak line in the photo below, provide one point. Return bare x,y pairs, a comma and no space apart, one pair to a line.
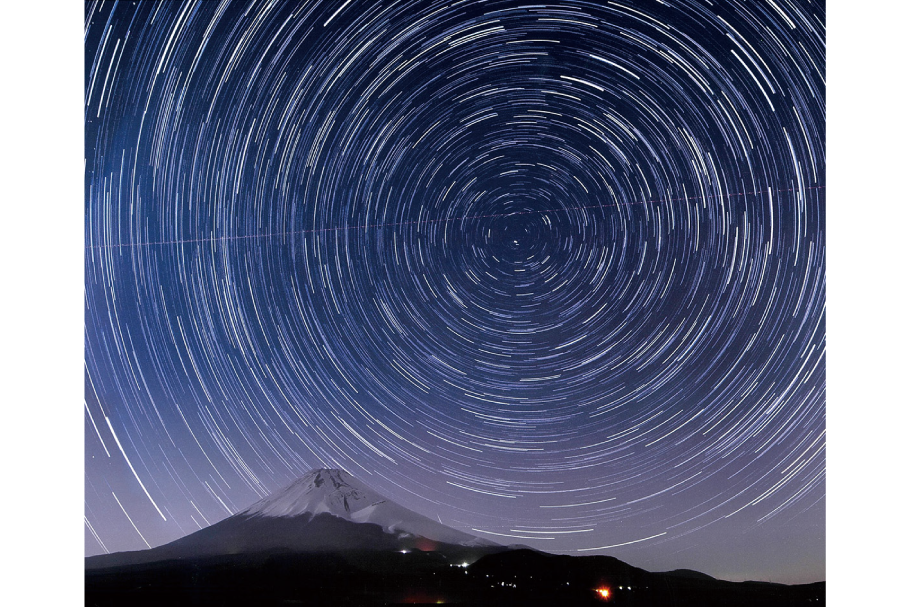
623,544
133,469
341,8
524,537
131,520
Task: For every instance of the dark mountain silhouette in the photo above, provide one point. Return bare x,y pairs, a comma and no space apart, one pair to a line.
327,539
688,573
323,511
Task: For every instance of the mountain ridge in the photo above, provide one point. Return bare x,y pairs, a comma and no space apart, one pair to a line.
325,510
327,539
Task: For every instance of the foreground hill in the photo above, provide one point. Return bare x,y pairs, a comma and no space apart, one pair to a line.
372,578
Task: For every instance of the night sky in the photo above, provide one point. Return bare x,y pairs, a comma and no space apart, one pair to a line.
552,273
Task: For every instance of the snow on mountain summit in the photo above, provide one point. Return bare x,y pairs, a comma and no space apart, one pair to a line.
318,491
338,493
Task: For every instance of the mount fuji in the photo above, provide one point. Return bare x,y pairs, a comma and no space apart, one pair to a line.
327,539
326,510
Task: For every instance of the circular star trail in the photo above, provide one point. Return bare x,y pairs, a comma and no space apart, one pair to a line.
549,272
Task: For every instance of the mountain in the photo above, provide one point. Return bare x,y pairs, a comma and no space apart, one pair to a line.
688,573
324,511
337,493
327,539
377,578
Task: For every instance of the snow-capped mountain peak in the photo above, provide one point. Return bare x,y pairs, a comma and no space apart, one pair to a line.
318,491
322,511
337,493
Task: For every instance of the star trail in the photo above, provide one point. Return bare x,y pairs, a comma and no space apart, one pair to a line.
553,272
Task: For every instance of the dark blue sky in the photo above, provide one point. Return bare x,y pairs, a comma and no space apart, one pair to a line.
549,272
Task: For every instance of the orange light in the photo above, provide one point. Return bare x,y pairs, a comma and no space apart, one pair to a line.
603,592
